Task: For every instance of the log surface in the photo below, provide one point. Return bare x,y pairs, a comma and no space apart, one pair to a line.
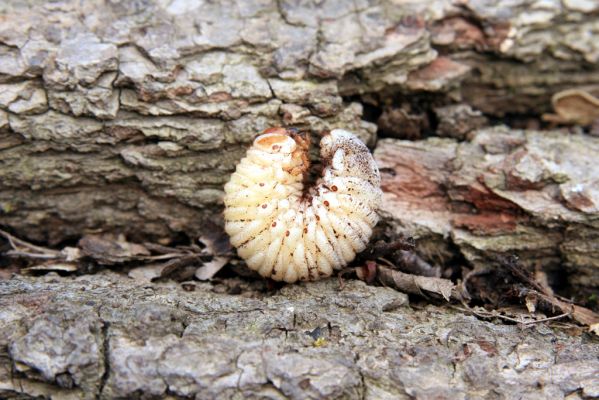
129,116
505,192
104,336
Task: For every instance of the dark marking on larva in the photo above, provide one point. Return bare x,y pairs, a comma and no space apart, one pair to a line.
286,233
264,205
334,188
326,203
274,224
305,230
318,217
252,238
261,183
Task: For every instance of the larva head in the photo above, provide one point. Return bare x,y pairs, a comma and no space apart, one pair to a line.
286,143
348,156
275,140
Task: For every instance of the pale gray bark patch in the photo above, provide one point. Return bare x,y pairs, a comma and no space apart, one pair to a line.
105,336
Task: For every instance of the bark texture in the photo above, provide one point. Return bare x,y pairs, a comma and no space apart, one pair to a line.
129,116
103,336
533,194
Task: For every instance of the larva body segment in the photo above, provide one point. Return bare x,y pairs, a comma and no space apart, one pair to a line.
288,232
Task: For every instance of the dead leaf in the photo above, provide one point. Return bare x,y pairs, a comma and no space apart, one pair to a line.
579,314
71,253
211,268
574,106
531,302
150,272
147,273
416,284
487,347
108,251
216,242
53,266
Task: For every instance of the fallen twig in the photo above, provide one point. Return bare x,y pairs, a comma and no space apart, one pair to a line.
580,314
496,314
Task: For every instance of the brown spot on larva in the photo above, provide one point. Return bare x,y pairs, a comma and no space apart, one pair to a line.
276,147
334,188
318,218
261,183
305,230
326,203
264,205
286,233
274,224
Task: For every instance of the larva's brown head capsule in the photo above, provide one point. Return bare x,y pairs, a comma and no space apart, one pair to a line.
275,143
283,233
289,144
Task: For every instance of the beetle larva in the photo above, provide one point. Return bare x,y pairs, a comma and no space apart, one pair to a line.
288,232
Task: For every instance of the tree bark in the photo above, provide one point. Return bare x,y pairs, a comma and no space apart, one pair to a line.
505,192
129,118
103,336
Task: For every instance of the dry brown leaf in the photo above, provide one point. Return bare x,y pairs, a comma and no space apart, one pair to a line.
71,253
416,284
147,273
107,250
579,314
531,302
216,242
53,266
211,268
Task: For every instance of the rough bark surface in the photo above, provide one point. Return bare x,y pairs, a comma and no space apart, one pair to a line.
533,194
129,116
103,336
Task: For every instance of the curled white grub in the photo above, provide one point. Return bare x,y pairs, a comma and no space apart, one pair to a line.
290,231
